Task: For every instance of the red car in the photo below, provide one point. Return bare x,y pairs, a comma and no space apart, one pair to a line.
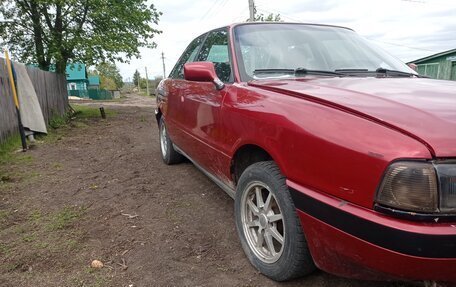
338,155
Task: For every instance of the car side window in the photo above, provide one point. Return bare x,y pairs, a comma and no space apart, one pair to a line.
188,56
215,50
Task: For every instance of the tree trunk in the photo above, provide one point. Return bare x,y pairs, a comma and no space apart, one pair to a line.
62,58
60,67
33,8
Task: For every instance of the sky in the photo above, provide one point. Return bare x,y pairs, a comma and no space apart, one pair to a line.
407,29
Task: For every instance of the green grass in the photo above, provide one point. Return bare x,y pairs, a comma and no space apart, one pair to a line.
4,215
29,237
65,218
81,112
7,148
36,215
4,248
84,112
78,120
58,121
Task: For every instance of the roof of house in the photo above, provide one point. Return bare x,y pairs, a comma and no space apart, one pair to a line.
94,80
76,71
434,56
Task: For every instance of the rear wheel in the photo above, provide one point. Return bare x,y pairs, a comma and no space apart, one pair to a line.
169,154
268,226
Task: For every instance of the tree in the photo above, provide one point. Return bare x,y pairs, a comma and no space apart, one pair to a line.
136,78
108,70
269,18
107,83
91,31
156,81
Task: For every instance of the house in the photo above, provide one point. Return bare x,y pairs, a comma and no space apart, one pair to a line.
94,82
438,66
81,84
77,77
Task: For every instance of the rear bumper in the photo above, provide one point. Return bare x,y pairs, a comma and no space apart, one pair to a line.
351,241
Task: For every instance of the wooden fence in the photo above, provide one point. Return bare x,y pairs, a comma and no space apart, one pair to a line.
51,89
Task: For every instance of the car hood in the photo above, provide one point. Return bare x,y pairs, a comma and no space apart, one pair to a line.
424,109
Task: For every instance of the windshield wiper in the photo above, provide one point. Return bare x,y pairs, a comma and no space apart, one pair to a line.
317,72
298,71
388,72
273,71
352,70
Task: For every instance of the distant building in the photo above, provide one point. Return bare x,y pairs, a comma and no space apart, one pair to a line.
438,66
81,84
94,82
77,77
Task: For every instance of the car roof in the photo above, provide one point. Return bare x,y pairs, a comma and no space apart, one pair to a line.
286,23
233,25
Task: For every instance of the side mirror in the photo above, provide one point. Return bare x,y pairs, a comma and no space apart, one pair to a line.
202,72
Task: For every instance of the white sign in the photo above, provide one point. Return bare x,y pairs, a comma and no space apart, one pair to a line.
451,58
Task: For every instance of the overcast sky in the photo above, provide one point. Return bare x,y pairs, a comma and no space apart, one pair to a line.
408,29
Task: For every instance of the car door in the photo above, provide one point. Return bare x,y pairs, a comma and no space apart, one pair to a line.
175,86
202,104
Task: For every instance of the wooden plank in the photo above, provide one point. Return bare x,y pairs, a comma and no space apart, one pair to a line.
453,71
444,70
8,118
50,89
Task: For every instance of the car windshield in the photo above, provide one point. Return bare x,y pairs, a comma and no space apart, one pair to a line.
273,50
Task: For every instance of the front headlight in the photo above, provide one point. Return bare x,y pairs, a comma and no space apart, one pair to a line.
447,186
423,187
410,186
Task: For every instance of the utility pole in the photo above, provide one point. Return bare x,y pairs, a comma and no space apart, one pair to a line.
252,11
164,69
147,83
139,83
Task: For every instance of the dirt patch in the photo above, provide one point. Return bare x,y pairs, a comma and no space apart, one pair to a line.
99,190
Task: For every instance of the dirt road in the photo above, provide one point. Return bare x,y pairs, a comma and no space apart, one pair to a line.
99,190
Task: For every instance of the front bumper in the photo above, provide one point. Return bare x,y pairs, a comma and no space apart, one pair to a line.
352,241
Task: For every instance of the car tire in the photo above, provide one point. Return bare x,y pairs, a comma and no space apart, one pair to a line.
260,228
169,154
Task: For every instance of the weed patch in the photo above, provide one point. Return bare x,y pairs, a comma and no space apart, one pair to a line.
65,218
7,148
36,215
85,112
29,237
4,215
58,121
4,248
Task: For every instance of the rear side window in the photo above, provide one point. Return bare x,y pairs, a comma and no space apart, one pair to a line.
215,50
188,56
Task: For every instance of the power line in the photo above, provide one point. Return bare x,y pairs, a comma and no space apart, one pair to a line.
401,45
240,16
415,1
210,9
222,4
388,43
278,12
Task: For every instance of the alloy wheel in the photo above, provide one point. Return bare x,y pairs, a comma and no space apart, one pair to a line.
262,222
163,140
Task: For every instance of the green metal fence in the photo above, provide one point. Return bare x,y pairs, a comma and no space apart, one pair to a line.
79,93
92,94
100,94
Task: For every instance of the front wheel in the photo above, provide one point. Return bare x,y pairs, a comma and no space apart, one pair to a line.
169,154
268,226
